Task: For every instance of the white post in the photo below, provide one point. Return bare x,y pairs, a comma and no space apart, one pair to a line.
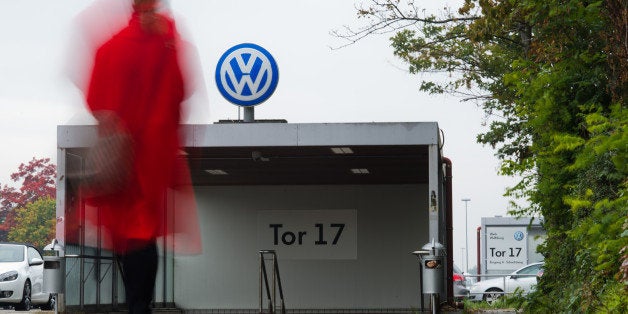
433,198
466,231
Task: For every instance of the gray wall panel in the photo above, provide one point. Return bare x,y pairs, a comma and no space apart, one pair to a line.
396,133
281,134
311,134
392,222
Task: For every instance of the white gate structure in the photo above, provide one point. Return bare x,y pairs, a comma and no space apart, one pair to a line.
343,205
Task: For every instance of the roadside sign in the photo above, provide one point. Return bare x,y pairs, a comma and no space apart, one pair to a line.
506,247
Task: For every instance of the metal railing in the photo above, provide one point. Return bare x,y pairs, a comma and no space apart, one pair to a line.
263,283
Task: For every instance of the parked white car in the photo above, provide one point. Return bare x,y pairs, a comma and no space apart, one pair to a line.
22,277
524,278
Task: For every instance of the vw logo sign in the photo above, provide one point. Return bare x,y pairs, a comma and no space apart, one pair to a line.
247,75
519,235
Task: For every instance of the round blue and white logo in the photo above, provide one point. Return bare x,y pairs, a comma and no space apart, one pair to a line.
519,235
247,75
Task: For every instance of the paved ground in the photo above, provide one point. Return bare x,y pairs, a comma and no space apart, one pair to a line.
31,311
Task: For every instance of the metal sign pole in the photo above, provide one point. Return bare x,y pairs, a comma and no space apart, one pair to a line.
249,114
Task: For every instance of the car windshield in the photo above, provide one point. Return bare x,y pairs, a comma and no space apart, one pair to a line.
457,270
11,253
530,270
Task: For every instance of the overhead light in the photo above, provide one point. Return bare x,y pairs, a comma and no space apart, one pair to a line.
360,171
216,172
341,150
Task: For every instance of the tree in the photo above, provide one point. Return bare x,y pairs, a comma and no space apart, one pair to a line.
37,181
551,77
35,223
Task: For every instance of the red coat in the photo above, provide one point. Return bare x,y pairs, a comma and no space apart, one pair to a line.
136,74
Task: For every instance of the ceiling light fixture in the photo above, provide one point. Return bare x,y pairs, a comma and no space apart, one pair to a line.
341,150
216,172
360,171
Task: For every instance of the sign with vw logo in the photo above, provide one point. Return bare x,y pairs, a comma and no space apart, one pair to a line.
247,75
505,248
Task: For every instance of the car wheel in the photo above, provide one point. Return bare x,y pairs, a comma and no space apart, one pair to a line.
491,295
25,305
50,305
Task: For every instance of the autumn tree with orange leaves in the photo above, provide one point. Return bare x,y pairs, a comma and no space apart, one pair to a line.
37,179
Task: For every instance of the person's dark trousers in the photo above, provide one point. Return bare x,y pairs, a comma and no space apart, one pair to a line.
139,268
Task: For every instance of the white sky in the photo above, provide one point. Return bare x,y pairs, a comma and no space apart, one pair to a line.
359,83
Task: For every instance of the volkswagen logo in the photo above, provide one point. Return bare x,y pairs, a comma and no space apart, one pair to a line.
519,235
247,75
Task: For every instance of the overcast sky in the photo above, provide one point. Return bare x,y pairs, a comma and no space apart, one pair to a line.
360,83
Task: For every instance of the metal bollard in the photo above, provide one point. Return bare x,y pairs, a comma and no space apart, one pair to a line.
432,272
54,272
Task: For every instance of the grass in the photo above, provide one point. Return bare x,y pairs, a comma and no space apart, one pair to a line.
514,302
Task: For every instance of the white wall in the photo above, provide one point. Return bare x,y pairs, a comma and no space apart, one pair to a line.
536,237
391,222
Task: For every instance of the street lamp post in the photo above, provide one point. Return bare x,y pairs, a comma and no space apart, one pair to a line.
466,232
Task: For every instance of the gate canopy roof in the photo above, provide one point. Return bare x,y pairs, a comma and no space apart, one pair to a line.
288,154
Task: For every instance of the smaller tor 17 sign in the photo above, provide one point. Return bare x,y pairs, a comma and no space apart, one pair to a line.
506,248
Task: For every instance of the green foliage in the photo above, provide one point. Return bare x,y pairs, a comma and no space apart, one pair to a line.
35,223
514,301
551,75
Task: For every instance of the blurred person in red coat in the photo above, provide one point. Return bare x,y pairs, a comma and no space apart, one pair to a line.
136,88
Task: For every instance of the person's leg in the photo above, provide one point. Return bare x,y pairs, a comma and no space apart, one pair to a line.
140,270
